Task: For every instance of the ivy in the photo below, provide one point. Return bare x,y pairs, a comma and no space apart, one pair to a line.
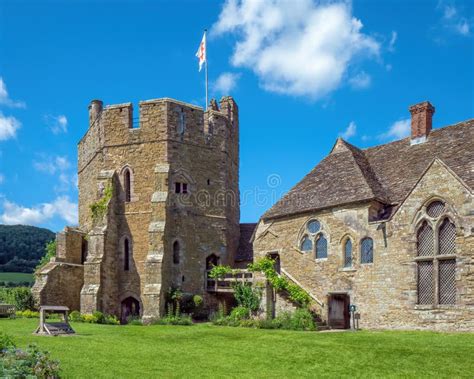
99,208
266,267
219,271
50,252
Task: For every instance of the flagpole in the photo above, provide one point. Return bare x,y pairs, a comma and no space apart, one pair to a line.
205,33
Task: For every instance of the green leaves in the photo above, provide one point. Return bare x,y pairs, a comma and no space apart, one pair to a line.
267,267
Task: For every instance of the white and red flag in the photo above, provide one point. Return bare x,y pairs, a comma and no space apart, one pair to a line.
201,53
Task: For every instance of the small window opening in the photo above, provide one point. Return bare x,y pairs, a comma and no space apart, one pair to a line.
176,251
208,182
181,187
126,253
128,190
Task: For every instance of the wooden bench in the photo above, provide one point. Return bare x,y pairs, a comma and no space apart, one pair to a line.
7,310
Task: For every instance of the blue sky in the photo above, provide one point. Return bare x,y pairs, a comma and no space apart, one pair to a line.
302,72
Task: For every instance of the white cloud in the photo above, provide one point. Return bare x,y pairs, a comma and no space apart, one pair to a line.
226,82
5,99
397,130
298,48
17,214
52,164
360,81
393,40
8,127
454,18
57,124
350,131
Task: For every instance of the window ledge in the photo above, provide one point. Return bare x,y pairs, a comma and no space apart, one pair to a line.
320,259
441,307
348,269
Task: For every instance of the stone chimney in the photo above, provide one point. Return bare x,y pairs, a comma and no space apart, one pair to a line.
95,107
421,121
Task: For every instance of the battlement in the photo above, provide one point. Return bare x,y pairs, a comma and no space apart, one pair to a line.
162,119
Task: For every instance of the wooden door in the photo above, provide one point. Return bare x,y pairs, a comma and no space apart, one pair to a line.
338,317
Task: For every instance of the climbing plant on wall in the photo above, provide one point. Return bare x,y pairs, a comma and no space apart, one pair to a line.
267,267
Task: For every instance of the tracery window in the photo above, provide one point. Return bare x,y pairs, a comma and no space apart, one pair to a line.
315,239
436,257
366,250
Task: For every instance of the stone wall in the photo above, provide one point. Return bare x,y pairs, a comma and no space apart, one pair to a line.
196,147
385,291
59,283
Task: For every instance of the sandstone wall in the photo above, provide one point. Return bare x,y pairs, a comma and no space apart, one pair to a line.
384,291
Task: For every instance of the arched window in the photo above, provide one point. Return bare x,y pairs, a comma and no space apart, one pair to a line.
425,241
306,244
436,259
176,252
367,250
127,183
126,254
447,237
321,247
348,253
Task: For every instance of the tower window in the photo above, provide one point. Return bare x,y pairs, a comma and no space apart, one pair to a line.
180,187
176,252
126,254
128,186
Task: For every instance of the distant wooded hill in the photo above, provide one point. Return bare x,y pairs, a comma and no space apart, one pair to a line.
22,246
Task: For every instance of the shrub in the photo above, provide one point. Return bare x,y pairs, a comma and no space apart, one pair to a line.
20,297
301,319
28,363
75,316
6,342
197,300
240,313
134,320
27,314
94,318
247,296
174,320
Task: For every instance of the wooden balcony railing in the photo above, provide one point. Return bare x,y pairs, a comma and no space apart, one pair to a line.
225,283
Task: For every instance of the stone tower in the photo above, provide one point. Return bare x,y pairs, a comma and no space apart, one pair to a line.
164,191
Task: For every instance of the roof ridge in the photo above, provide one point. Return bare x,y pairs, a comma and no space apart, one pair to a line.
433,131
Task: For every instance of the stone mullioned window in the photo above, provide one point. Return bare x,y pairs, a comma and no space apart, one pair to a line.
436,256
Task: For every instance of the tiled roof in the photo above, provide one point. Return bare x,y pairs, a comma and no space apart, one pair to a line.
245,251
386,173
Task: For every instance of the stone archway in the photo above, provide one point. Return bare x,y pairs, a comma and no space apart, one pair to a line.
130,307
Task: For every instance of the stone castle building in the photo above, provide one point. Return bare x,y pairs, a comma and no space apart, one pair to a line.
389,229
165,190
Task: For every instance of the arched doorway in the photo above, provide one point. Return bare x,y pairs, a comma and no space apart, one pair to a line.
130,308
211,261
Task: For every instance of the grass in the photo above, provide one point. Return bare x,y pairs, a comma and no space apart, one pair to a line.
16,277
205,351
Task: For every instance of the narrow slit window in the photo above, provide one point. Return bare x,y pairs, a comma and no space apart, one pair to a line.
126,254
348,253
128,186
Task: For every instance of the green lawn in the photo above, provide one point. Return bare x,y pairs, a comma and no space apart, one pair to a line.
16,277
204,350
